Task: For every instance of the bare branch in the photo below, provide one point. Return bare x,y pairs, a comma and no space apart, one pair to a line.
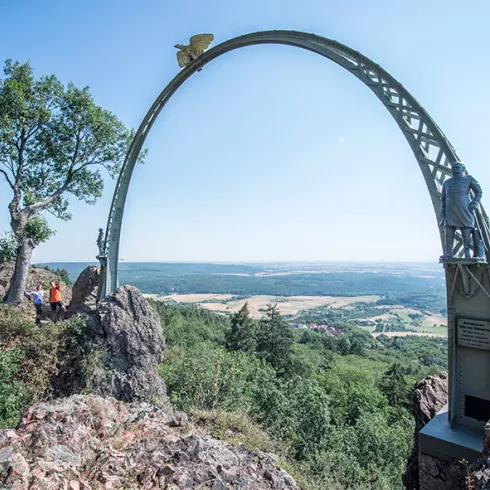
11,184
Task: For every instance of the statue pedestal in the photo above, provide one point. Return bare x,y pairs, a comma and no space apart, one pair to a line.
442,450
439,440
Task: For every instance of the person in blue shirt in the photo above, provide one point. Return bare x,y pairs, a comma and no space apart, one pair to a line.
37,299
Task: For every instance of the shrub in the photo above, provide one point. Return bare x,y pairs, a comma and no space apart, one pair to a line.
209,377
13,395
29,358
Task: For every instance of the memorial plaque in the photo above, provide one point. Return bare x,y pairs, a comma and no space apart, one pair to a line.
474,333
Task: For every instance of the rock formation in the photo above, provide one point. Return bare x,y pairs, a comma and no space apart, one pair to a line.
429,396
84,291
88,442
121,348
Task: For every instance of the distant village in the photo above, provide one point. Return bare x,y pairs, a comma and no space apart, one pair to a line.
332,331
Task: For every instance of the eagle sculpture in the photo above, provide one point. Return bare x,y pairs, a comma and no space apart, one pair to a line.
198,44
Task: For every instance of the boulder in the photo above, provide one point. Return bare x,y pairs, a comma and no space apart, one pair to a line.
89,442
84,291
117,353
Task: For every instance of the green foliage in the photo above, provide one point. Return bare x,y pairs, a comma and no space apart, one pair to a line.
38,230
53,141
297,411
13,396
394,386
28,361
208,377
186,327
274,338
242,334
337,404
8,247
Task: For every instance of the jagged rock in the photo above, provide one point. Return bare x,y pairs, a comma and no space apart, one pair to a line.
88,442
84,291
429,396
129,336
118,352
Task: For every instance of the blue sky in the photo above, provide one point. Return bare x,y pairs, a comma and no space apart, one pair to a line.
270,153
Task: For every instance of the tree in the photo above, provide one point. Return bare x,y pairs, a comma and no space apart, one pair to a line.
53,142
242,334
343,345
274,338
394,386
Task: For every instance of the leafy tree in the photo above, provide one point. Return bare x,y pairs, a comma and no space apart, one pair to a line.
394,386
274,338
242,334
343,345
53,142
357,347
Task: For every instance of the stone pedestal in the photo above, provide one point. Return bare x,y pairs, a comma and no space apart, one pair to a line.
445,453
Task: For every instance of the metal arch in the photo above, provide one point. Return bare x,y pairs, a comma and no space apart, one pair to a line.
432,150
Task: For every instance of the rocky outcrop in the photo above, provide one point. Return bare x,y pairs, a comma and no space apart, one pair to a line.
429,396
88,442
121,348
84,291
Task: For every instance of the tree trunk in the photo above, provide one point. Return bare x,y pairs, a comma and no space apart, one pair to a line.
18,281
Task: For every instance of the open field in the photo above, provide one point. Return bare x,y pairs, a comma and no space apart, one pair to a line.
408,334
426,324
287,305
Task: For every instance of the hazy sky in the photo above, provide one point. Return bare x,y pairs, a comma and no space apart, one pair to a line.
271,152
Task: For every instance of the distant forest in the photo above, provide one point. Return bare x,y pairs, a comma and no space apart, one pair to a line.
165,278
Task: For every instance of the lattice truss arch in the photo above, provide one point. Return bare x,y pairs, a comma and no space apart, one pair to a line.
431,148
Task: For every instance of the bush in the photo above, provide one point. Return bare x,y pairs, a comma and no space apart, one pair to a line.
209,377
13,395
29,358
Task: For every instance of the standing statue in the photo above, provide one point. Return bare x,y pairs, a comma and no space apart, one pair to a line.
100,243
198,44
457,211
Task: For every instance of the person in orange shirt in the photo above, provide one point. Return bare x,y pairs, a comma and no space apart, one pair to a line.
55,299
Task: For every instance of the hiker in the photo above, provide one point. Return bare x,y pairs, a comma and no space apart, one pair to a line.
55,299
37,299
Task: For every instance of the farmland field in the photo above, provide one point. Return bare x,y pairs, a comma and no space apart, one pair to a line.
288,305
398,319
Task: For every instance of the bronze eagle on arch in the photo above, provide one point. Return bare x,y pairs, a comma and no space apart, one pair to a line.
197,45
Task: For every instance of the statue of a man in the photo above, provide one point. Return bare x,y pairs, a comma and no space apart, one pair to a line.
100,242
457,209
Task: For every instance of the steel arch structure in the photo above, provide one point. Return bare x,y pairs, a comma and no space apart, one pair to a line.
432,150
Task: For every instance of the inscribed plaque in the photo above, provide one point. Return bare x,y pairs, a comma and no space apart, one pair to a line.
474,333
